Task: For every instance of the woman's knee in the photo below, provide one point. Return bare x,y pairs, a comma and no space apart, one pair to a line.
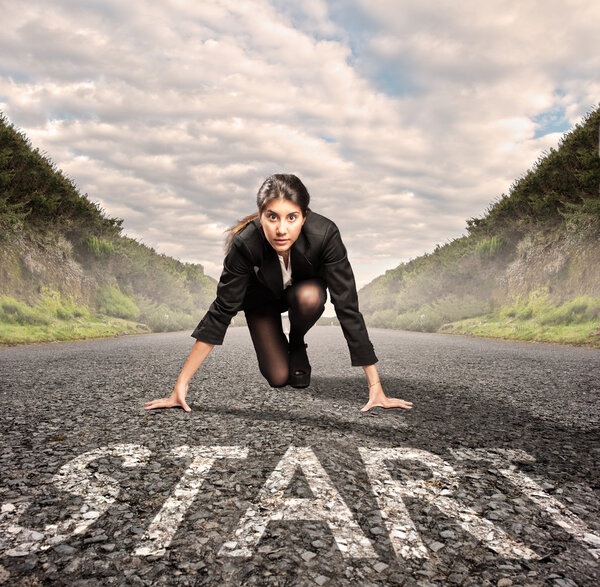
275,378
308,296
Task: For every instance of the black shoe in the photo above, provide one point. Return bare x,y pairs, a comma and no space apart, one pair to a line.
299,366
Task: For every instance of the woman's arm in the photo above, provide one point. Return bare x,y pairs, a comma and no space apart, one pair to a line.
339,277
342,288
200,351
376,395
231,291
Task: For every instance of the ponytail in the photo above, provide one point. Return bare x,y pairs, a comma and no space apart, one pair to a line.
233,230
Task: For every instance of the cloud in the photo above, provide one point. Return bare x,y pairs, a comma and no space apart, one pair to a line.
403,120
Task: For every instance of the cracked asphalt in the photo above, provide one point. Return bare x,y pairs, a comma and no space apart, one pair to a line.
491,479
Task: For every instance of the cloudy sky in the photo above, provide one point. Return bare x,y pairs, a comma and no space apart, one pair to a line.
402,118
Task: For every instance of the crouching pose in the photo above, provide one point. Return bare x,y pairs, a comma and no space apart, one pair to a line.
283,257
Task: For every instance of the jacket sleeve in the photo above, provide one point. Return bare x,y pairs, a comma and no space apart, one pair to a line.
230,296
342,289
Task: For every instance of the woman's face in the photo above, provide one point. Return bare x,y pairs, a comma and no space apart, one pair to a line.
282,222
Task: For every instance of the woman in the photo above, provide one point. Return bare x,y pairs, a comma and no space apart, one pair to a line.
283,257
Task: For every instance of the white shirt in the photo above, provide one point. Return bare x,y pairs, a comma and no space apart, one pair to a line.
286,273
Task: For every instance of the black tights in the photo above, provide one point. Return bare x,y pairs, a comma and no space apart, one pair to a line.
306,302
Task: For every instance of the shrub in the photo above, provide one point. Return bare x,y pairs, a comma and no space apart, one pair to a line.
162,318
53,303
383,319
536,304
491,247
538,307
12,216
114,303
429,317
581,309
68,311
16,312
99,247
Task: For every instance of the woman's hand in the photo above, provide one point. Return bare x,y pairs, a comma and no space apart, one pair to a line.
199,352
177,398
376,396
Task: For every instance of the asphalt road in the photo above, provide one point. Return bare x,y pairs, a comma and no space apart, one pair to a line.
491,479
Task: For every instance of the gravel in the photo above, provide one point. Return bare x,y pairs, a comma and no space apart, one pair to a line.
491,479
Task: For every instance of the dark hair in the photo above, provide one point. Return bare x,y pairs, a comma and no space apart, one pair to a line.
280,185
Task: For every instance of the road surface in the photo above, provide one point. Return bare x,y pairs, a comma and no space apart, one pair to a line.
491,479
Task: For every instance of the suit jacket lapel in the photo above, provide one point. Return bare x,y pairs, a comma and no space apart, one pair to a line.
269,271
301,267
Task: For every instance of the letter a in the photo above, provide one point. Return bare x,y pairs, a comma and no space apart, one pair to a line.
272,504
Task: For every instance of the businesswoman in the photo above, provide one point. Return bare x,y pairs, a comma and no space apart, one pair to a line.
284,257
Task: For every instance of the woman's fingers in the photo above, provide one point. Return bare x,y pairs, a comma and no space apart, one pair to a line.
163,402
396,402
167,402
386,402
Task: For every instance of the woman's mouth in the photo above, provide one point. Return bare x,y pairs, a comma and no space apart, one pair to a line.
281,241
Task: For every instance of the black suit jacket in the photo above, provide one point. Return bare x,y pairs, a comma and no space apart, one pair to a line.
252,275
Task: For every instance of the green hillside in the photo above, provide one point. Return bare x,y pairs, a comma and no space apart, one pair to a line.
66,269
529,269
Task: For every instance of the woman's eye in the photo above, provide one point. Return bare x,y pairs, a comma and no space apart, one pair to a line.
292,217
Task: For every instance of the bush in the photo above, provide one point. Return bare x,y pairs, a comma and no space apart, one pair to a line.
429,317
16,312
491,247
53,303
536,304
12,216
114,303
99,247
68,311
581,309
428,320
383,319
161,318
539,307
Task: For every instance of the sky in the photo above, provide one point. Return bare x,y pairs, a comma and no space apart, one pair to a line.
403,119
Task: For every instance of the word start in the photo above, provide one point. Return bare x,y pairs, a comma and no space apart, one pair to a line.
99,491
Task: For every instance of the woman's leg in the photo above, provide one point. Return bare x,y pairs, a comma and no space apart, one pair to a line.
270,343
306,300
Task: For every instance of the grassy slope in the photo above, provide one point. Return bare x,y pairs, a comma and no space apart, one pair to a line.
67,272
527,270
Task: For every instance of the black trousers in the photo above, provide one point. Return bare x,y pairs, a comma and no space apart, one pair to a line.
305,303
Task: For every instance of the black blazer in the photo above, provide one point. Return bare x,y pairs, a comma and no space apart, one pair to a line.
252,274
